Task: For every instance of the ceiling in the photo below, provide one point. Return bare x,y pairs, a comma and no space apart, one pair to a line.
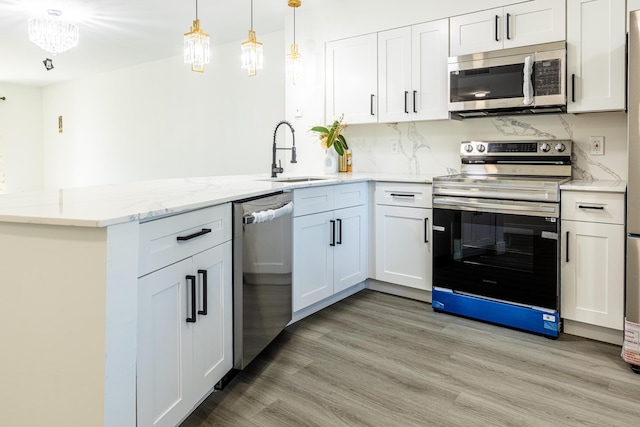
121,33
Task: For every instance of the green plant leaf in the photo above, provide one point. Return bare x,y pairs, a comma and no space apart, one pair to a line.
343,141
338,146
320,129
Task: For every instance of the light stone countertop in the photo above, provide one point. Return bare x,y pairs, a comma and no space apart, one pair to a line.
101,206
604,186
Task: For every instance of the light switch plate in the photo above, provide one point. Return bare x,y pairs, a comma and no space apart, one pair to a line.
596,144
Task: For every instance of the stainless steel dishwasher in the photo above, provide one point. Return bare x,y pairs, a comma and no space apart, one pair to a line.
262,273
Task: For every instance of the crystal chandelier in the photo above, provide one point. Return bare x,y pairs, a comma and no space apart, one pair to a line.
196,46
293,58
252,51
52,34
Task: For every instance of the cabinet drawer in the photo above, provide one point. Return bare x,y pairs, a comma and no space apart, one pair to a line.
593,207
348,195
312,200
159,244
403,194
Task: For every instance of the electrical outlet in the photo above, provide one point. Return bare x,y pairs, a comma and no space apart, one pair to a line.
395,149
596,144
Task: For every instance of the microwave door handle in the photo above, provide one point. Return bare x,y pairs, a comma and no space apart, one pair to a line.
527,83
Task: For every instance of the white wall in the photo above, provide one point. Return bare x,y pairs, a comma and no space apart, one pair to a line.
161,120
429,147
20,138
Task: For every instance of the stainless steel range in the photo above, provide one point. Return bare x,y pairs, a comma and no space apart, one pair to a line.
496,234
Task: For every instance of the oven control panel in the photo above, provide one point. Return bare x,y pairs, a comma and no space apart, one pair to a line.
516,148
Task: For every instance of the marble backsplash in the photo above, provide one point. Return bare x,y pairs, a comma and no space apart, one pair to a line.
432,147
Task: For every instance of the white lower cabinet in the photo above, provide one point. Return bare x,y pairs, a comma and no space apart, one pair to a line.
330,246
593,258
403,234
185,335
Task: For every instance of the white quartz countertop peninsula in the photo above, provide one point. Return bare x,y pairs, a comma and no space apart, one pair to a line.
604,186
105,205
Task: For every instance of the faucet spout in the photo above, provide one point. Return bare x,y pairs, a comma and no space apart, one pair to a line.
275,169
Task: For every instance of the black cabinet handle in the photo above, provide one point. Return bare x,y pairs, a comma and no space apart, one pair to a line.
573,88
372,113
406,107
497,19
339,232
415,110
194,235
426,230
508,30
567,254
597,208
204,292
192,319
402,195
333,233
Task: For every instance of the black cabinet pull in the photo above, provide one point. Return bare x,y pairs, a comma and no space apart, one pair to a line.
406,107
573,88
333,233
426,230
372,113
402,195
567,254
204,292
194,235
597,208
339,232
415,110
497,19
508,30
192,319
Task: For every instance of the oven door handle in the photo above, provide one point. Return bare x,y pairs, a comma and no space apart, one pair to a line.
502,207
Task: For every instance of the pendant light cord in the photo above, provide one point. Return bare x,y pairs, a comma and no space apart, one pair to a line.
251,15
196,9
294,25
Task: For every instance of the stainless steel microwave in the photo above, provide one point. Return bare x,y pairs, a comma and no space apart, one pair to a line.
523,80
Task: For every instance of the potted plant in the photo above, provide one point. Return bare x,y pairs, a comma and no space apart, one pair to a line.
331,136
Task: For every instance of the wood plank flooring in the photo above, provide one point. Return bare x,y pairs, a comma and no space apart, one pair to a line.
379,360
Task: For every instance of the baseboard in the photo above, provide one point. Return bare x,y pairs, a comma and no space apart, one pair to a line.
598,333
399,290
307,311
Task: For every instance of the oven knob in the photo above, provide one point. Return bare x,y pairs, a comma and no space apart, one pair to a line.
560,147
545,147
468,148
481,148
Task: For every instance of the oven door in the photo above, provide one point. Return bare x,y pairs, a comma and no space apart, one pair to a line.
496,249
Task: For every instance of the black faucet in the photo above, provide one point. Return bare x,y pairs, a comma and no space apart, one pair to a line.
275,169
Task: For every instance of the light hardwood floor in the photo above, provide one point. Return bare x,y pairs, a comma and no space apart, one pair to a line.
380,360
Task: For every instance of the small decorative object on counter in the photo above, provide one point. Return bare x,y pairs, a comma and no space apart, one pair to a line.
332,137
349,161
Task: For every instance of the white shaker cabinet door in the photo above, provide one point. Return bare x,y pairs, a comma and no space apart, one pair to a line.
429,82
394,75
403,246
476,32
165,346
350,256
352,79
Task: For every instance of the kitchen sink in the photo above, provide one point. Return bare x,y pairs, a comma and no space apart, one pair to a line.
295,179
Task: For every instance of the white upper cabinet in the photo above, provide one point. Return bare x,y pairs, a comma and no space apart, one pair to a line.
352,79
596,43
528,23
412,72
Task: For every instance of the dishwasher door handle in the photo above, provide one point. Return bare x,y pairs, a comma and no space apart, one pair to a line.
267,214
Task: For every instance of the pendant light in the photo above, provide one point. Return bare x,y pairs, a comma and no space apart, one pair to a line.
196,46
252,51
293,58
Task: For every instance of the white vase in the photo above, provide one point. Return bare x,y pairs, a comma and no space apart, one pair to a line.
330,163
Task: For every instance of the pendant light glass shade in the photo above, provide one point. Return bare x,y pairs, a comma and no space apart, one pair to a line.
293,60
252,51
252,55
196,46
52,34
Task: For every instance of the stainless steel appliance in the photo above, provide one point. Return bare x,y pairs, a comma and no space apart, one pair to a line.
631,346
530,79
262,267
496,240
